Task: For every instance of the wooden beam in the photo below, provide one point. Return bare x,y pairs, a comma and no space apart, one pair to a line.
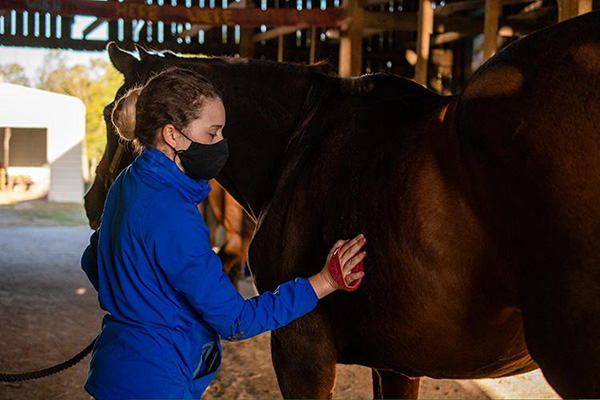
139,10
424,31
196,28
91,27
567,9
584,6
247,43
312,57
493,9
351,39
274,33
407,21
6,144
466,5
280,48
447,37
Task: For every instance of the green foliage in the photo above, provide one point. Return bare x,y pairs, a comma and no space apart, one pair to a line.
95,84
13,73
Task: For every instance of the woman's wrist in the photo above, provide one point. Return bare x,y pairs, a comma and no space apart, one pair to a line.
321,285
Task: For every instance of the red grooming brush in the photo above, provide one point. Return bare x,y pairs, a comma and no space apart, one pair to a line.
335,267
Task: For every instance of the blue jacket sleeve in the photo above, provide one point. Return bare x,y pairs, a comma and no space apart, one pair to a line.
178,239
89,259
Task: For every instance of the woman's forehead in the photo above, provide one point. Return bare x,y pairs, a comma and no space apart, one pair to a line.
213,113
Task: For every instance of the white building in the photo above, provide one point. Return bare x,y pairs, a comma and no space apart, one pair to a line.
42,135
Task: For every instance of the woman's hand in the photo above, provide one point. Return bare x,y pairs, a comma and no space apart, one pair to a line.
350,255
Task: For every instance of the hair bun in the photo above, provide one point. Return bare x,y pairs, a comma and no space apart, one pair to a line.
123,113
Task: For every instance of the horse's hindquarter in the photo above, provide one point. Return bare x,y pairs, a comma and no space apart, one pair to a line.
530,128
438,299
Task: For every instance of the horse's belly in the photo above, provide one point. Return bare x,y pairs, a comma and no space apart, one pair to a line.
446,349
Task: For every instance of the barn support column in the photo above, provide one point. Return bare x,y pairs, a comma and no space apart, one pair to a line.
351,39
246,43
585,6
313,45
6,157
424,31
280,47
572,8
246,48
493,9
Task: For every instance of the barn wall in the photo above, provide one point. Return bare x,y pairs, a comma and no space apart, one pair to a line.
63,117
27,147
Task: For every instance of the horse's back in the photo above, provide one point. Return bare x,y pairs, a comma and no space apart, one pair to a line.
529,128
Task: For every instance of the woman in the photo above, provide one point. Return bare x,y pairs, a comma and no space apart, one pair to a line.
168,300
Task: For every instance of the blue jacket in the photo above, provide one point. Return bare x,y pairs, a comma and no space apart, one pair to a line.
168,300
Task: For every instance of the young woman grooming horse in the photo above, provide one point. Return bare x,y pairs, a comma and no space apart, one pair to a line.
167,297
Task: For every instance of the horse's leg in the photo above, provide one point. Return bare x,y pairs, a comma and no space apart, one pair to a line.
561,314
304,359
377,391
231,263
392,385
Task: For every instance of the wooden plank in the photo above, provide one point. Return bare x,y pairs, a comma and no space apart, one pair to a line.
424,31
447,37
274,33
138,9
280,48
493,9
584,6
467,5
312,56
246,47
6,144
564,9
351,39
408,21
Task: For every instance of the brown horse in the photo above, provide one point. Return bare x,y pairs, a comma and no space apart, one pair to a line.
222,209
482,211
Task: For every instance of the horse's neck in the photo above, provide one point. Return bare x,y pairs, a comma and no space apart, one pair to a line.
264,103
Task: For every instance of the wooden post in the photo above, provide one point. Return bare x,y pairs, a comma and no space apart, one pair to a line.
572,8
351,39
6,158
424,31
280,43
584,6
313,46
493,9
246,48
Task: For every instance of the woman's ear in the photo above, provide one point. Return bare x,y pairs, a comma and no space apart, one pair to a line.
169,136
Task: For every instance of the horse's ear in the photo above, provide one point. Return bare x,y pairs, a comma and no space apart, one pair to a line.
325,66
144,54
123,61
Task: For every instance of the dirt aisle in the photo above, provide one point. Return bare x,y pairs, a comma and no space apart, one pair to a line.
50,312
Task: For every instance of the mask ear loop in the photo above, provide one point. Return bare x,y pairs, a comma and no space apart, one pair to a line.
174,149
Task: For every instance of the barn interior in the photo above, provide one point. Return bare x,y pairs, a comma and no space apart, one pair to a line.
51,310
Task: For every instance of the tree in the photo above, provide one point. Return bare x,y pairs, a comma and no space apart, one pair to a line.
13,73
95,84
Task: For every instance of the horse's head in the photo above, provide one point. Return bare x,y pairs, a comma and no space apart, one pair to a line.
117,155
266,103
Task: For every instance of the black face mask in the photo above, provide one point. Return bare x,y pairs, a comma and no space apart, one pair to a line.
203,161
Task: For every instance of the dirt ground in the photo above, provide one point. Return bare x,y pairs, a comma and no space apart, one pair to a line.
50,312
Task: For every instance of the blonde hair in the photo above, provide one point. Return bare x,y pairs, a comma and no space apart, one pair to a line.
123,116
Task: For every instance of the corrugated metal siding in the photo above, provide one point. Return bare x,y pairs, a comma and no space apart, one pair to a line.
66,183
28,147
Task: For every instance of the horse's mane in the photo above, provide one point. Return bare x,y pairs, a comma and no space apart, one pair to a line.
325,67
